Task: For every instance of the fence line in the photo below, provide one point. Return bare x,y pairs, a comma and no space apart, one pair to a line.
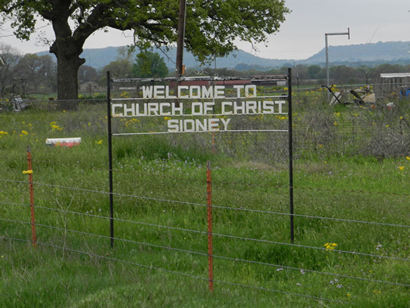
232,236
152,267
223,207
200,253
342,191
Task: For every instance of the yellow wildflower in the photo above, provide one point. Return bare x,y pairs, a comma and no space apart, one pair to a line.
401,168
99,141
387,125
56,127
124,94
3,132
335,123
330,246
407,157
167,118
337,114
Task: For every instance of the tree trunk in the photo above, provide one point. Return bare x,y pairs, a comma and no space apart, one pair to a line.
67,77
67,80
67,51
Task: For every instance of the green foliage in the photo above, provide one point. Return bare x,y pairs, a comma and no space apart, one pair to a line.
149,64
212,26
121,68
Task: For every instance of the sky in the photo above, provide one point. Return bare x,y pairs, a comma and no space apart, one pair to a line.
300,36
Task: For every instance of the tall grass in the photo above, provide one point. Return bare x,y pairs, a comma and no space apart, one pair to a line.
249,172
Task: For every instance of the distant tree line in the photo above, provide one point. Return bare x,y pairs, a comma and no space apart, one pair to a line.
20,74
340,74
31,73
312,74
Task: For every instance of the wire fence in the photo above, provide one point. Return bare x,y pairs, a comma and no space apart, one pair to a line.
42,216
228,235
339,135
178,273
216,206
278,267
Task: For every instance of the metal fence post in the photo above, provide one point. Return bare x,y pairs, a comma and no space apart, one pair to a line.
209,212
290,128
110,178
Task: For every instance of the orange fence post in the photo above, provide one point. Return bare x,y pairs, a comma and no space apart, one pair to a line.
209,208
29,172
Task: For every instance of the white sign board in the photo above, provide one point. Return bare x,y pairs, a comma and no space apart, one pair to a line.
192,108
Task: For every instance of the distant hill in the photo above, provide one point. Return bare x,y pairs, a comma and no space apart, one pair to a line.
99,57
377,52
353,55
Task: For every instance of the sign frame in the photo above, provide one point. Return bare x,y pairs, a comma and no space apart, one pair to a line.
110,134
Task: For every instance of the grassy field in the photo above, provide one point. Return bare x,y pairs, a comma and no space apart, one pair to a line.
160,253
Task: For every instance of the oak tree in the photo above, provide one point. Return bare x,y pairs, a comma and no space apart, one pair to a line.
212,26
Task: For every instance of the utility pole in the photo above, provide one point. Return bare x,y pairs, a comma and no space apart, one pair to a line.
181,35
327,52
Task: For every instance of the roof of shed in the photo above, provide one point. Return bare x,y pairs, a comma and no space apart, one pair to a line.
395,75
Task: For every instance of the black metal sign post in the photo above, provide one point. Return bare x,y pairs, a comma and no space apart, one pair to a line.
292,233
109,129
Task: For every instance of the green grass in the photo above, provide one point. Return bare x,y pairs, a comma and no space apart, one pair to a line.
327,184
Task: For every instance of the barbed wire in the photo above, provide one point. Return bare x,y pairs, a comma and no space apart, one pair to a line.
152,267
235,237
341,191
200,253
226,207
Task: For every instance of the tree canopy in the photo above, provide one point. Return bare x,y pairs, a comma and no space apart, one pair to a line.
212,26
149,64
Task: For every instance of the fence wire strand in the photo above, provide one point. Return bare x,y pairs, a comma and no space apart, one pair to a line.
200,253
152,267
217,206
232,236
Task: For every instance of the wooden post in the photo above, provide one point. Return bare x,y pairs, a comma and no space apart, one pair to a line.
180,40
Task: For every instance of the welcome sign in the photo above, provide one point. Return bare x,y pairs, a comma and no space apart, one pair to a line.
195,105
198,108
